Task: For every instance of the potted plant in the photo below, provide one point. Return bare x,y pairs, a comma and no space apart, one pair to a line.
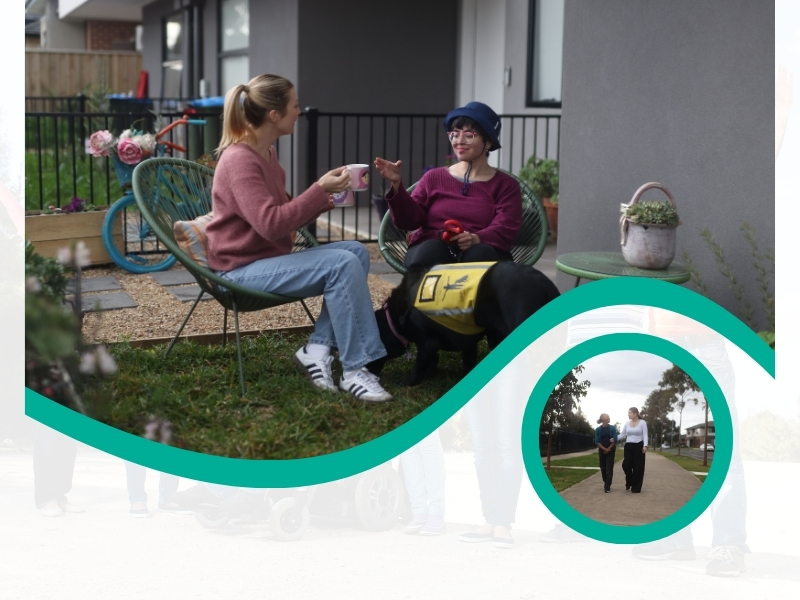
647,230
541,174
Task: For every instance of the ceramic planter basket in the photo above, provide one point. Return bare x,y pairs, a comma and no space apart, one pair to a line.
647,246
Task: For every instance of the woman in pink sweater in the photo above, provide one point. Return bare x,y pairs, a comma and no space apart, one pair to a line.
250,237
486,202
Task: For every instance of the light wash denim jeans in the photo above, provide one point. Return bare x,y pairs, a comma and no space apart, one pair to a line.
494,419
338,272
423,471
167,484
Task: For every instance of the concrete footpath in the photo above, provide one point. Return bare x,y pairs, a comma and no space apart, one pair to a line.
666,488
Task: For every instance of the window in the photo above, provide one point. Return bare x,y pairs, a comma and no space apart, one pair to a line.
545,53
173,53
234,42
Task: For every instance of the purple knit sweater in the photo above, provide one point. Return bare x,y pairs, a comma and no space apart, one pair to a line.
253,218
492,209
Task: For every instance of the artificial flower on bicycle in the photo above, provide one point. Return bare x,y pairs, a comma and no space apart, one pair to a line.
131,147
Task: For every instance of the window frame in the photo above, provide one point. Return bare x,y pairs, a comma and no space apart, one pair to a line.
529,75
223,54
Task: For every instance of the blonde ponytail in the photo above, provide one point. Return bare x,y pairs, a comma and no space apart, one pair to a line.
246,107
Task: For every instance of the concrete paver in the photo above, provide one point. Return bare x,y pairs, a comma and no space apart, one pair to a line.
666,488
187,293
95,284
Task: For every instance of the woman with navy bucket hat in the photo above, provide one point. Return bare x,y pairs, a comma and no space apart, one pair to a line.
486,202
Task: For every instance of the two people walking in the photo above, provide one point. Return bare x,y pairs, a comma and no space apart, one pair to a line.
634,434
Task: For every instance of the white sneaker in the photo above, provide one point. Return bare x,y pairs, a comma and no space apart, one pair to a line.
364,386
318,370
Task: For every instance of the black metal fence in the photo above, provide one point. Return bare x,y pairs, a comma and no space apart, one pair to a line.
57,166
565,442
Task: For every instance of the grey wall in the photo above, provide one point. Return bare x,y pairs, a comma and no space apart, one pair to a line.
359,56
62,35
678,92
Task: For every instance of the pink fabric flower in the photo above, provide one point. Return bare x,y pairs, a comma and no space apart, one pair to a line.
129,151
100,142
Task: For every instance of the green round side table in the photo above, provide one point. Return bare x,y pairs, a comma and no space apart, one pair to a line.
604,265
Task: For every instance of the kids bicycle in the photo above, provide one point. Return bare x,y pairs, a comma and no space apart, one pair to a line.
127,237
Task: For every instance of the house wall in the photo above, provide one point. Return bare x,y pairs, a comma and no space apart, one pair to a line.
110,35
61,35
681,93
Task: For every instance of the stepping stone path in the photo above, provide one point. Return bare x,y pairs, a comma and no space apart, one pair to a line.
178,282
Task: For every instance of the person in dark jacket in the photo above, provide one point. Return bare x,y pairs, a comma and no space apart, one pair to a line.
605,437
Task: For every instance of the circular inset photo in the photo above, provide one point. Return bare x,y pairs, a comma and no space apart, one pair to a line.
627,439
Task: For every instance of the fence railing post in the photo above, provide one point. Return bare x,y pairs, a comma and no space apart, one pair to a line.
312,115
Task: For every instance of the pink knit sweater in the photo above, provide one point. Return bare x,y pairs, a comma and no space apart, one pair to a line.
253,218
492,209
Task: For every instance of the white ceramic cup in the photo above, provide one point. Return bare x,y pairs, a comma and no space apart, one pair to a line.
345,198
359,177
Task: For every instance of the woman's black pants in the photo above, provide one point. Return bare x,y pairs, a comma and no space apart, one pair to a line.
633,466
607,467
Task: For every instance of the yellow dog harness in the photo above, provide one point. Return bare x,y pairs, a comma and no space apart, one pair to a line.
447,295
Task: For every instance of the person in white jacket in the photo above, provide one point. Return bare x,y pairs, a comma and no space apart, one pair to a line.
634,432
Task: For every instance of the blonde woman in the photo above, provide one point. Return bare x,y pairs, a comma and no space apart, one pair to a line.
250,243
634,432
605,437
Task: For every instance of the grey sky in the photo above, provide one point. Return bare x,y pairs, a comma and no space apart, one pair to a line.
624,379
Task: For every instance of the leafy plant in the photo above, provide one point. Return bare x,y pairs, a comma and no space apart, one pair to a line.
764,265
541,174
652,212
56,359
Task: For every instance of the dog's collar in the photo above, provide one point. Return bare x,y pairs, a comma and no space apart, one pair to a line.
396,333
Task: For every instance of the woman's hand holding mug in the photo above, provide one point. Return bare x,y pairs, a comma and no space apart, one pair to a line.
335,181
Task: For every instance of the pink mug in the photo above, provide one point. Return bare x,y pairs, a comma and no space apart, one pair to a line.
359,177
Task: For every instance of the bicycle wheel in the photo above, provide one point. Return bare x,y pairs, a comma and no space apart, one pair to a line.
130,242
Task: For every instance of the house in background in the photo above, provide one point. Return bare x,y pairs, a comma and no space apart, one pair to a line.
86,24
696,435
680,93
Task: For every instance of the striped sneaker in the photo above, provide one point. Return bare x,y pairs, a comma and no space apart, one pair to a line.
318,370
364,386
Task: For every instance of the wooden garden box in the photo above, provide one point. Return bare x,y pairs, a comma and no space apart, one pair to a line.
49,233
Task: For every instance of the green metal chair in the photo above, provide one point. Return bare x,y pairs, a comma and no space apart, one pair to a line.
172,189
528,246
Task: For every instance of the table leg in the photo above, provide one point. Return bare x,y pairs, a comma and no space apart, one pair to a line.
577,281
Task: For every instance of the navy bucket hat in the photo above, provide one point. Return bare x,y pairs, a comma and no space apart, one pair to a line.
483,116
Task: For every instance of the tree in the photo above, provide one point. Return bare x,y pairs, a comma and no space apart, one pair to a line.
562,402
655,412
677,380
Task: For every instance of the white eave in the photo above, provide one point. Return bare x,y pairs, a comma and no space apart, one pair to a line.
103,10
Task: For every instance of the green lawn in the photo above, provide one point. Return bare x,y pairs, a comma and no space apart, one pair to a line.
688,463
196,388
561,479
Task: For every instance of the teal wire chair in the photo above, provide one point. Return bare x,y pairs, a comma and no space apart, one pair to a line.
528,246
173,189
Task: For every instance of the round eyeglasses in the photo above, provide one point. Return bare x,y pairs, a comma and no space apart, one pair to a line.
466,136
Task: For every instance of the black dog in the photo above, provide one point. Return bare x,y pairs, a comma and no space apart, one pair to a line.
508,294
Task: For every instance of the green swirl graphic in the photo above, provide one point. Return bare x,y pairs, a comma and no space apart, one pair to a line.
338,465
621,533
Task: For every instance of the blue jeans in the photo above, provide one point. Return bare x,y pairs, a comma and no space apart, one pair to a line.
167,484
494,418
423,471
338,272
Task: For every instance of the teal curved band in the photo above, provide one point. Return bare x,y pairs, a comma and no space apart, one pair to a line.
625,534
321,469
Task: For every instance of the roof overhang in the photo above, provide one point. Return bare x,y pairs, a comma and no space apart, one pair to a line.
105,10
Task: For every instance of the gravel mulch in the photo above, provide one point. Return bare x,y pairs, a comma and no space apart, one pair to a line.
159,313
